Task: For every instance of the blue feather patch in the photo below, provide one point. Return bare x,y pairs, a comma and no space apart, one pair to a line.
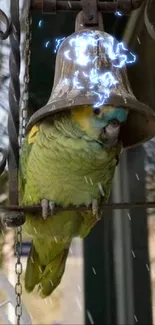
119,114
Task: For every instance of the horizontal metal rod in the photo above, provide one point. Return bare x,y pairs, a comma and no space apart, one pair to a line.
38,208
125,6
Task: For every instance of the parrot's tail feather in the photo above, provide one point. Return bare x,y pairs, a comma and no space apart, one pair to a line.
48,277
52,275
33,270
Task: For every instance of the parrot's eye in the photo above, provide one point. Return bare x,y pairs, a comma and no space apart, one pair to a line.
115,123
97,111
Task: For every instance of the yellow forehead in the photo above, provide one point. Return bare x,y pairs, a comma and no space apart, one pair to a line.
87,110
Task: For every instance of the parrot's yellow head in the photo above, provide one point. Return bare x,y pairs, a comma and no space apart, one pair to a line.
102,124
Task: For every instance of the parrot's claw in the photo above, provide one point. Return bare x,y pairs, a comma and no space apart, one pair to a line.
95,209
46,205
52,207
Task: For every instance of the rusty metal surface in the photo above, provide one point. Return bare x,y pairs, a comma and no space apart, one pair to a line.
140,125
125,6
80,25
90,12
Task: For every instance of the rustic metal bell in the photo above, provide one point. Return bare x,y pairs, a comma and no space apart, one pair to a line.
90,70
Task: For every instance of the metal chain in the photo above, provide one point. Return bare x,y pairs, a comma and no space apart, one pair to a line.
25,93
23,121
18,270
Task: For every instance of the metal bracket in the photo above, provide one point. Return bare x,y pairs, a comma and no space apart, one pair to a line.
90,12
80,25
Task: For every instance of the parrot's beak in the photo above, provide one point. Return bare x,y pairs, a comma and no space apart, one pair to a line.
109,139
103,139
102,134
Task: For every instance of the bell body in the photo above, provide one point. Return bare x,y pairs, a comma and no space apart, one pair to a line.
91,70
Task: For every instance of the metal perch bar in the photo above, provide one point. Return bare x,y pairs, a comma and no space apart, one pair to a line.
50,6
38,208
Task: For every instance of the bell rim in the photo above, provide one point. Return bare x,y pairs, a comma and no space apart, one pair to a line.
138,143
61,105
131,103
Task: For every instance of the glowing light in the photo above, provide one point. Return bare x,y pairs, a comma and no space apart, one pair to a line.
128,214
108,79
79,288
66,54
133,253
76,82
81,45
58,41
90,317
82,59
117,13
40,24
136,319
66,81
137,176
47,44
123,57
78,303
120,54
94,270
99,83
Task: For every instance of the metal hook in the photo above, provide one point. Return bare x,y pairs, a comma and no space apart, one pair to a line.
4,19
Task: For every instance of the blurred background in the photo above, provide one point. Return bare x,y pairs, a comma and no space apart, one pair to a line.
110,277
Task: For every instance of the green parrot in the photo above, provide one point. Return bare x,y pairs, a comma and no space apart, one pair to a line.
68,158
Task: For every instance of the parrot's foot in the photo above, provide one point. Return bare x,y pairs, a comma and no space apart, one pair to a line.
95,209
46,206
